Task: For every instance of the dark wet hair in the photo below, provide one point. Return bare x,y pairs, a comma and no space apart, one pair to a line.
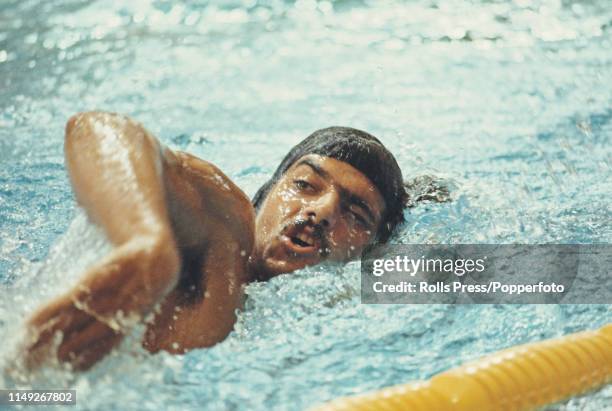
364,152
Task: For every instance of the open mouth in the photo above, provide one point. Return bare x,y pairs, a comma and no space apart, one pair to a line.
302,241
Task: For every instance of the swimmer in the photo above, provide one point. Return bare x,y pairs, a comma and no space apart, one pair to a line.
187,239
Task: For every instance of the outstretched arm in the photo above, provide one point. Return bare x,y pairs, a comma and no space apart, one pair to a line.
117,170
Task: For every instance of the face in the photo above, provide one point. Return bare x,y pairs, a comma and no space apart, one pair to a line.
320,209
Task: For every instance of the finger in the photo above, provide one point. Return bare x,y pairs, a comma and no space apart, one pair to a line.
49,311
96,351
42,344
68,321
90,339
59,315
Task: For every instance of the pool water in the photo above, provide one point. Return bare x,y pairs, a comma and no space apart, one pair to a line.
510,101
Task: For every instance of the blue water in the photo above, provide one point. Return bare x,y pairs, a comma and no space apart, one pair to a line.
511,101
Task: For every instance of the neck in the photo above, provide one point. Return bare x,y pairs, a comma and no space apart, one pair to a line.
257,270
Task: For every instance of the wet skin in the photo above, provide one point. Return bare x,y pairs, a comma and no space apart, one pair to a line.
185,241
321,209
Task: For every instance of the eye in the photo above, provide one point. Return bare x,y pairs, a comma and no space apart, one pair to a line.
358,218
302,184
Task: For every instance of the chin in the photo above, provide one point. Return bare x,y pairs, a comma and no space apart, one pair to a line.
278,267
276,260
273,267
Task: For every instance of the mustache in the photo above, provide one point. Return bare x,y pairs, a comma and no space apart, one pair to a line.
318,232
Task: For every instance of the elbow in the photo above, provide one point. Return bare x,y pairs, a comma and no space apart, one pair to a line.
75,128
79,120
74,121
84,129
79,125
83,123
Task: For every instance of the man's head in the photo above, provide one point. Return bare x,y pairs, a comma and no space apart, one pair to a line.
335,193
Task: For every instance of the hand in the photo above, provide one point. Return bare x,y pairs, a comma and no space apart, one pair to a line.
85,324
70,334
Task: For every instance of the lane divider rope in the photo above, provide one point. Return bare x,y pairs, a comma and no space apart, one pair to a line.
523,377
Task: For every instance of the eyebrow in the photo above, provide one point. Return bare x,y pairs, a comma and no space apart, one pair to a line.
344,193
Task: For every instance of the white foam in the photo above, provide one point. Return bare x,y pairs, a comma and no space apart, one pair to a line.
76,250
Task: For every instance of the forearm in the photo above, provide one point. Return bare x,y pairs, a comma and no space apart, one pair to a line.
115,167
123,288
116,170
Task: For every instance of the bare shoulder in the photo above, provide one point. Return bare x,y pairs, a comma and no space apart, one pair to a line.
222,196
210,177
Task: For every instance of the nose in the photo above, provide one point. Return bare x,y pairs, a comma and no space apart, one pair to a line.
324,209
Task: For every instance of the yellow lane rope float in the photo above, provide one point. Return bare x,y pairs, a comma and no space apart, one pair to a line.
524,377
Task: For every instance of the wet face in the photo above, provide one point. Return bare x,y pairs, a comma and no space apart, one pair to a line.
320,209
